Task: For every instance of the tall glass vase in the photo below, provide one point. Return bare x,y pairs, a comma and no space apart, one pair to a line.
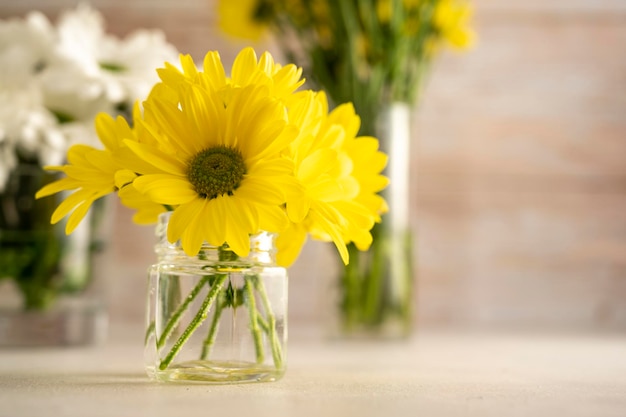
49,296
375,288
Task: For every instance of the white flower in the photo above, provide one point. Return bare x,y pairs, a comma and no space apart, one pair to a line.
55,80
25,49
135,59
125,69
76,98
25,52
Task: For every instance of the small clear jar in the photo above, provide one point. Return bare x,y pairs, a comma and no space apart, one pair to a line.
216,317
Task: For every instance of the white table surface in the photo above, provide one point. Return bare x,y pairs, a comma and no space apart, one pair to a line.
436,373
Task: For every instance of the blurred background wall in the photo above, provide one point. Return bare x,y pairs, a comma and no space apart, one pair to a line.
519,166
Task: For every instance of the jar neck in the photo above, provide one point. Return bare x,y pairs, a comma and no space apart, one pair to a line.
262,249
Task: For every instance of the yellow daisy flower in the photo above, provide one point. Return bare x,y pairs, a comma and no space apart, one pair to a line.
218,164
243,18
330,202
452,20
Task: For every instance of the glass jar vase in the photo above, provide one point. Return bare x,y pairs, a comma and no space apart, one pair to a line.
51,292
374,293
216,317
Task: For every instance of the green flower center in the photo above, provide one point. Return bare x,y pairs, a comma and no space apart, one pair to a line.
216,171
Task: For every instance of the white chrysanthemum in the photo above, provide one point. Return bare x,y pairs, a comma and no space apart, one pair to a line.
135,58
75,100
122,69
26,127
25,49
55,80
81,41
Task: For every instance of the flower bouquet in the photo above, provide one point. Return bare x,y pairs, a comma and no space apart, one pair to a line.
237,171
377,55
54,79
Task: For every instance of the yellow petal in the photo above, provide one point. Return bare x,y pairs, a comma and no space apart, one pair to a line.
63,184
260,191
78,215
244,62
271,218
182,217
166,189
67,205
157,158
298,209
192,237
215,227
289,244
214,73
243,214
316,165
335,234
124,177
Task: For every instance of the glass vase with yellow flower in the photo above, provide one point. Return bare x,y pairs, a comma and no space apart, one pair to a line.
237,171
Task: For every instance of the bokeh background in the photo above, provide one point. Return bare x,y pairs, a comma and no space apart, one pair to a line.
518,165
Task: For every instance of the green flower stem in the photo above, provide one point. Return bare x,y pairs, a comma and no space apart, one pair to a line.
352,287
372,311
210,339
196,321
175,318
254,326
264,326
376,285
277,353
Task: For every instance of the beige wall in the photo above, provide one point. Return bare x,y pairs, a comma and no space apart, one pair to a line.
519,163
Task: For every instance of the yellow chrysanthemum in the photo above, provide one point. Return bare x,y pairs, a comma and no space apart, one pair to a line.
243,18
328,202
359,212
219,164
452,20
